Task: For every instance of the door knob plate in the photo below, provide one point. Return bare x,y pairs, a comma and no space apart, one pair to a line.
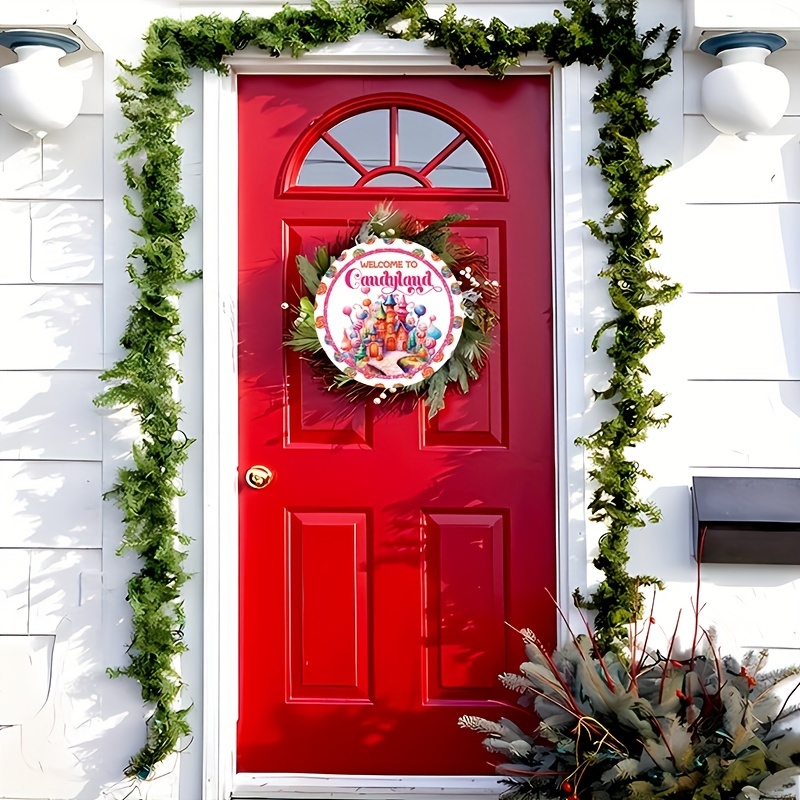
258,476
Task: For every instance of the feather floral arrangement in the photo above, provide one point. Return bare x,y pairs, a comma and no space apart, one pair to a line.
706,727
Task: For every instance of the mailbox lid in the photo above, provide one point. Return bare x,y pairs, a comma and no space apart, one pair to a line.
773,501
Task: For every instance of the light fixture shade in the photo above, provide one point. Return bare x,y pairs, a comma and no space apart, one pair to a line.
744,96
37,95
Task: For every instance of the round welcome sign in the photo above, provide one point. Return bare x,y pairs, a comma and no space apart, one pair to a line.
389,312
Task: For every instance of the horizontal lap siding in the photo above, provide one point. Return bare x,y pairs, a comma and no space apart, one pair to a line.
51,354
732,239
50,504
730,367
68,237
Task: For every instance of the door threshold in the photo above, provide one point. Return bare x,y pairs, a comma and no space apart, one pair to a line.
312,786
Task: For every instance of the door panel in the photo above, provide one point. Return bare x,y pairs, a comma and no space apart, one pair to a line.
328,662
379,568
480,417
465,604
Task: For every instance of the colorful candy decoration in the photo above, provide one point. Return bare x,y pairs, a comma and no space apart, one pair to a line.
393,337
388,312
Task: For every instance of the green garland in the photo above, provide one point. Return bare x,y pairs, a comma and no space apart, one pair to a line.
475,341
144,379
634,289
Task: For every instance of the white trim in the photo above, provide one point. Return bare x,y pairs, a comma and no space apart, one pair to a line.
705,18
366,54
220,437
353,787
568,340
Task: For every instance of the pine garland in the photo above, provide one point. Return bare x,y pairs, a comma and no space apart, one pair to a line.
144,380
636,291
146,376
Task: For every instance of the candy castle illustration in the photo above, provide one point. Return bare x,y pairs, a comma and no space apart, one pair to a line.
389,336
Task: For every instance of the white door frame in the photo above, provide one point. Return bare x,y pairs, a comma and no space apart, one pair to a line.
366,54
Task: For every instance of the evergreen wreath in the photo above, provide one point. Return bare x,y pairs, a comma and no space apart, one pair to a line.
604,36
468,268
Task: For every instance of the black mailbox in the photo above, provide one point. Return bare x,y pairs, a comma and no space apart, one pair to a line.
746,520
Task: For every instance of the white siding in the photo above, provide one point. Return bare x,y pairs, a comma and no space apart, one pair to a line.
37,170
50,504
729,211
53,696
56,326
51,352
711,248
15,225
67,241
52,241
49,415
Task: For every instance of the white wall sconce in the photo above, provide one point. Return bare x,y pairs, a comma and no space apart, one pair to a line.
37,95
744,96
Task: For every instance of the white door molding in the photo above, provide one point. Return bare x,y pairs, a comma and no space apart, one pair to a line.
366,54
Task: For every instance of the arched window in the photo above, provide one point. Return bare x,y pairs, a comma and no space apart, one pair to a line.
399,143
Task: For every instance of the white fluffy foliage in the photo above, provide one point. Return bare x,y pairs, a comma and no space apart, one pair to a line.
516,683
779,784
503,731
622,770
479,724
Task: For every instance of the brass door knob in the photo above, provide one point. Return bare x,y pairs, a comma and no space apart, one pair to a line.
258,476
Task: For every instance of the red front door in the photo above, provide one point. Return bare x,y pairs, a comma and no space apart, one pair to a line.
380,566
